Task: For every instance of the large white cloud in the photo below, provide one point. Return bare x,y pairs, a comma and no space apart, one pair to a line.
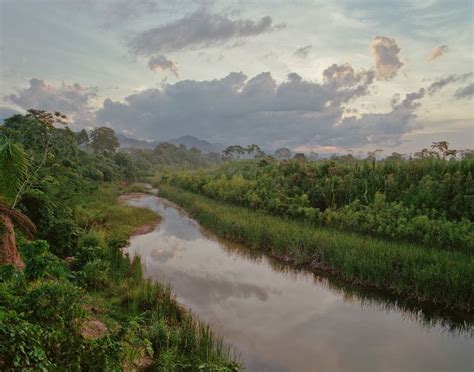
72,100
199,29
236,109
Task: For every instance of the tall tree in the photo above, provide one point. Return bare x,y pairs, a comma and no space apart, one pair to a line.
82,138
104,139
233,152
283,153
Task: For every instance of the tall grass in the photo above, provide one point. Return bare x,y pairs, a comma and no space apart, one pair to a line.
152,323
409,270
100,210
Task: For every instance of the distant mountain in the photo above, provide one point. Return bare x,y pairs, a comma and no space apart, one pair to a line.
204,146
6,112
188,141
126,142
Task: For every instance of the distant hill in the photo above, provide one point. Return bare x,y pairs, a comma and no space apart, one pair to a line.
126,142
6,112
204,146
188,141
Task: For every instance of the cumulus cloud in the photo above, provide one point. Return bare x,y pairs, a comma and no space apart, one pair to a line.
199,29
72,100
162,63
236,109
437,52
344,75
304,51
467,92
441,83
383,128
386,57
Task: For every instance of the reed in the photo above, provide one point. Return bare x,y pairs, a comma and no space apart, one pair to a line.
410,270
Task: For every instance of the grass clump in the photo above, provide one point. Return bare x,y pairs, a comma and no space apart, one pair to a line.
410,270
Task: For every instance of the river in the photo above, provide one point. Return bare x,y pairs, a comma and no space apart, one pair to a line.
281,318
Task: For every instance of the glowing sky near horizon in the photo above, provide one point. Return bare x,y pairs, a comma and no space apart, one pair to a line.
309,75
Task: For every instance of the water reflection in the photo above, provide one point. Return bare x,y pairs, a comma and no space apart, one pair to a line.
281,318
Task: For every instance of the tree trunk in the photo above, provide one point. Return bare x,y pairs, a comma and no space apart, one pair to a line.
8,252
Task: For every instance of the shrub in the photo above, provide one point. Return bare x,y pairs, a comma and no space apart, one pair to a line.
91,238
21,344
95,274
52,302
40,262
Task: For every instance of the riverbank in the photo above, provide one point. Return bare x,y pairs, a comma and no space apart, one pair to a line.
167,334
427,275
258,304
95,310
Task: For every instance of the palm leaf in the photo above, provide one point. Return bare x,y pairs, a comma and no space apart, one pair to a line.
14,164
20,219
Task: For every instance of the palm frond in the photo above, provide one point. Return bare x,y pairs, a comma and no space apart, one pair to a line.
20,219
14,164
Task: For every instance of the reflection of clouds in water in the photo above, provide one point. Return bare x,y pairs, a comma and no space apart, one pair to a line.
207,289
281,318
168,249
162,255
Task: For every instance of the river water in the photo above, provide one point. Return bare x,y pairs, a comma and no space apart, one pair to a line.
285,319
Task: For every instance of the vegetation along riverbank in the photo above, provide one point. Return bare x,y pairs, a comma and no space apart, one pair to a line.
70,300
427,274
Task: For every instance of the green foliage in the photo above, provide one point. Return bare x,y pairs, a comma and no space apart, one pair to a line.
14,164
169,156
24,349
429,201
40,262
91,238
95,274
417,272
43,307
52,302
103,139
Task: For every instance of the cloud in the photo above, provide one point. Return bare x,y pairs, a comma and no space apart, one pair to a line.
236,109
383,128
467,92
72,100
437,52
162,63
129,9
200,29
304,51
441,83
215,288
386,60
344,75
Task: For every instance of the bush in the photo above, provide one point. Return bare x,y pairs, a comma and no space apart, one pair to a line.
87,254
52,302
91,238
40,262
21,344
95,274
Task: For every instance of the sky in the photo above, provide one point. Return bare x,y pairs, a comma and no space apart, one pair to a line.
324,76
